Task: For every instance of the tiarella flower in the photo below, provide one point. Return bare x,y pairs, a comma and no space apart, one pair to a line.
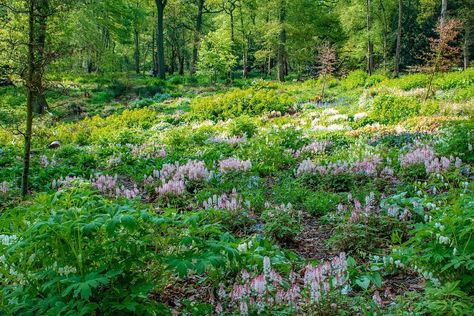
359,116
234,164
259,284
244,310
219,309
221,293
171,188
377,299
266,266
4,187
245,275
225,201
313,148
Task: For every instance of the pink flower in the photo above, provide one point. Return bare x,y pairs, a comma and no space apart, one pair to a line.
266,266
377,299
219,308
234,164
259,284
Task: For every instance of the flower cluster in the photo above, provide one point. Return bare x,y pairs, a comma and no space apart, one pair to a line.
65,182
368,166
105,183
359,116
426,156
45,162
358,211
109,185
313,148
173,177
230,140
234,164
4,187
231,202
147,151
270,290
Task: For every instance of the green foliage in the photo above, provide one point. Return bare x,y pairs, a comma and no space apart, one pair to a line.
81,254
282,223
320,202
390,109
238,102
216,57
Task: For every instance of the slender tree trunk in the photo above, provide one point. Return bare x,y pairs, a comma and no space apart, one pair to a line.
385,35
466,48
30,96
370,44
444,10
197,36
40,105
137,51
153,53
245,45
399,38
160,40
282,42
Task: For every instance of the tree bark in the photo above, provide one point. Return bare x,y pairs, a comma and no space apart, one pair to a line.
466,48
399,38
282,42
40,105
444,10
370,44
197,36
30,96
160,40
137,51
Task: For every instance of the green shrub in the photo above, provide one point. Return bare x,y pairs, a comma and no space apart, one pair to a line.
321,202
81,255
354,80
238,102
390,109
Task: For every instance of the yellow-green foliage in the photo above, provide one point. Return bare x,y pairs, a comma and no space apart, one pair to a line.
110,129
392,109
238,102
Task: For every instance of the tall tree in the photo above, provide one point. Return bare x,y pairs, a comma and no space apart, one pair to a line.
399,38
30,97
160,39
370,44
42,11
282,42
197,34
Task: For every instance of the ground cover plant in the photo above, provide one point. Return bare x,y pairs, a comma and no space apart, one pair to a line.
321,210
150,163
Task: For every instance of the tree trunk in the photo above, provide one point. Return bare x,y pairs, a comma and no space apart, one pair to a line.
197,36
399,38
444,10
137,51
40,105
160,40
370,44
153,54
29,104
466,48
245,45
282,42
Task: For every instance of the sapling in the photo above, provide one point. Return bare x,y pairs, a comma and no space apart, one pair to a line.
443,55
327,61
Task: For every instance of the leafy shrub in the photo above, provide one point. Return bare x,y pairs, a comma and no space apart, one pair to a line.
392,109
102,97
243,126
81,255
282,223
238,102
458,140
321,203
354,80
444,245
